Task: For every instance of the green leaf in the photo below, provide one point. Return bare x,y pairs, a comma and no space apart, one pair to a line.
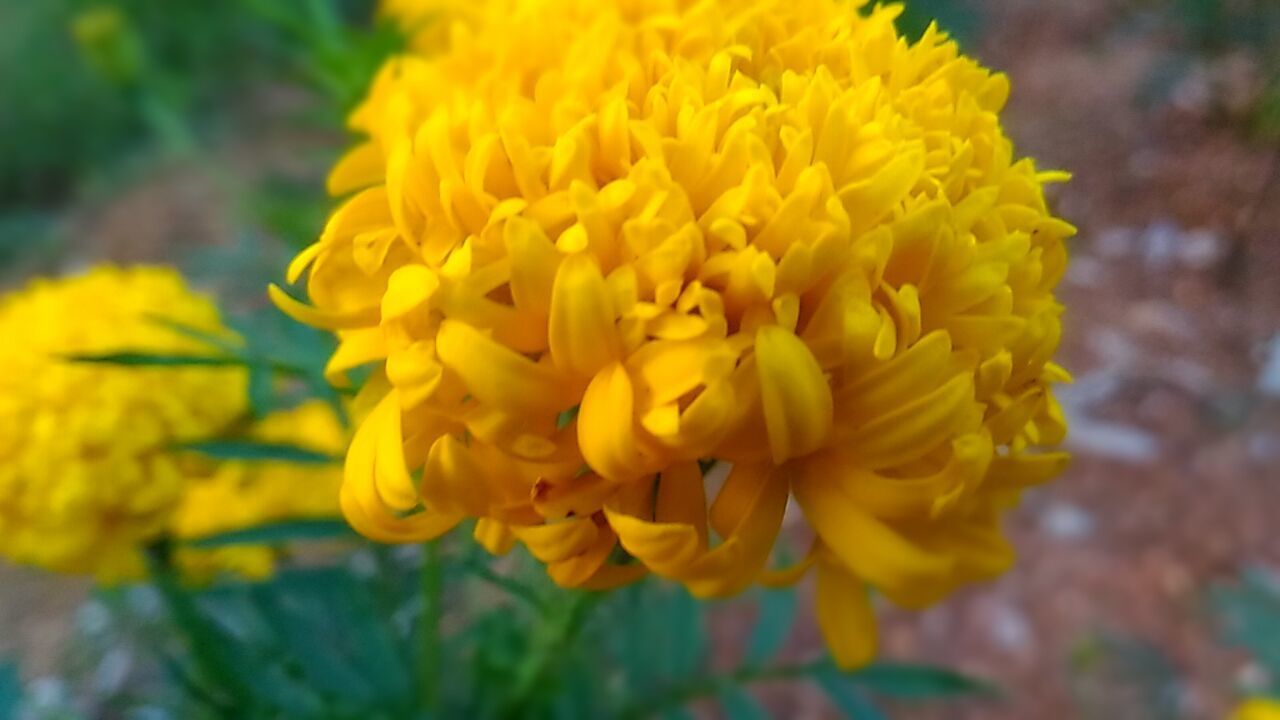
255,451
777,613
849,701
10,691
222,342
1250,617
684,633
141,359
276,534
918,682
738,705
262,389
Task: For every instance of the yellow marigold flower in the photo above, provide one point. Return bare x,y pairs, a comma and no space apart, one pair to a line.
594,243
1257,709
85,471
242,495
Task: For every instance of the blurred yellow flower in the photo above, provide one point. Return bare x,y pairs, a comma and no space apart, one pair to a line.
1257,709
86,475
242,494
594,246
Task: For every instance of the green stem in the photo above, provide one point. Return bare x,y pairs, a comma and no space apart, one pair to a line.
544,655
201,638
482,571
702,687
431,581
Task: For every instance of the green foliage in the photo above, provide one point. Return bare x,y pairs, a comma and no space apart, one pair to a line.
962,19
154,360
255,451
420,632
1115,675
278,533
1249,615
10,691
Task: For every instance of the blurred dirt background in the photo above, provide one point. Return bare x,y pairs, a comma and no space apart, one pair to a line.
1173,333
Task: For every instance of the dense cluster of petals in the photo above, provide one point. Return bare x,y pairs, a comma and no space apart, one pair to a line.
87,472
636,274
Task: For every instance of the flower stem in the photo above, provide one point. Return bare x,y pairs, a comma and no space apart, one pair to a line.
431,581
544,655
201,638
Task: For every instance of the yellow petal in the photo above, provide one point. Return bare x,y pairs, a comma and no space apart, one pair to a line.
409,289
499,376
359,168
355,348
453,481
606,428
494,536
582,331
845,616
391,475
558,541
917,427
323,319
864,544
375,523
665,548
581,496
534,262
794,392
1019,471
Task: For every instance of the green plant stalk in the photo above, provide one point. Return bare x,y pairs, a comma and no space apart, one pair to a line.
431,580
545,654
198,635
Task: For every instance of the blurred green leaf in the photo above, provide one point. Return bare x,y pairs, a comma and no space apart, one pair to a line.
1115,675
276,534
141,359
255,451
739,705
848,700
777,612
10,690
1249,614
918,682
961,19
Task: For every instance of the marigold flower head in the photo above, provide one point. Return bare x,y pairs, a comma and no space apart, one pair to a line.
86,475
241,494
595,245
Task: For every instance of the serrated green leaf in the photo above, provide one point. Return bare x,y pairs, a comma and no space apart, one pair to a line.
142,359
777,613
849,701
739,705
918,682
276,534
10,691
255,451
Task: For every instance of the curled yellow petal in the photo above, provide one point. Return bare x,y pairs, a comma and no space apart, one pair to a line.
845,615
500,376
582,331
324,319
796,398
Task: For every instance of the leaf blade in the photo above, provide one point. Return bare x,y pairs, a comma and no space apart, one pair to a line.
276,533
